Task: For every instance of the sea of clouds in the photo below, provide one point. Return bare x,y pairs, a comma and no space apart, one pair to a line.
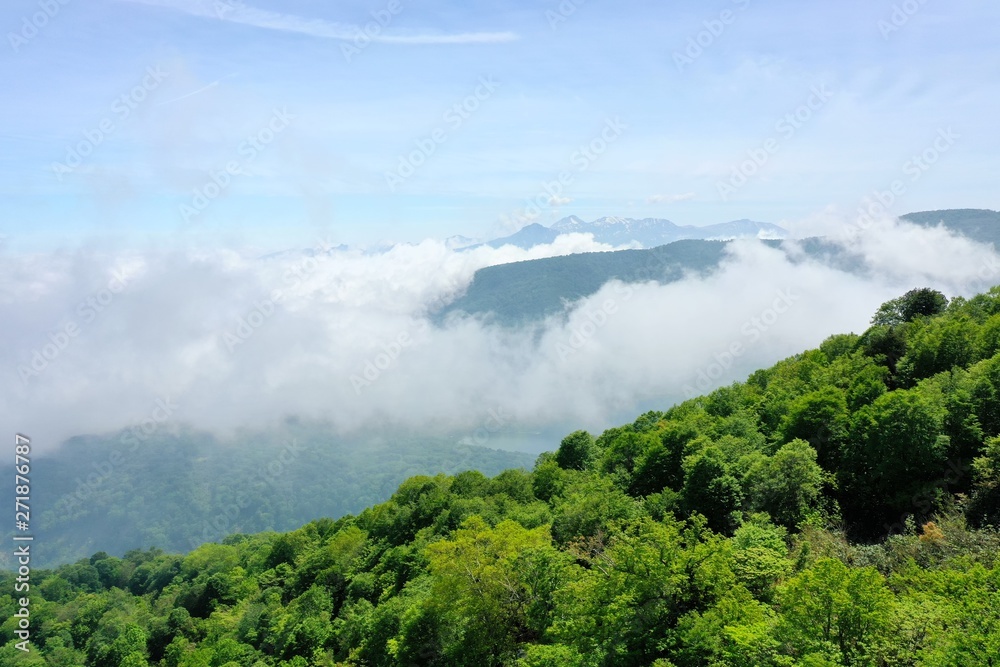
97,340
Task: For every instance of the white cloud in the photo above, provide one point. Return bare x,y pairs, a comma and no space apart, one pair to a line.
556,200
167,334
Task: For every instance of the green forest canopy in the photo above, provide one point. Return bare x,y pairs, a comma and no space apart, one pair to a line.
838,508
178,490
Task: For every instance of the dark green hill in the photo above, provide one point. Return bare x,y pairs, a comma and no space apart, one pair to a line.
980,225
525,291
176,491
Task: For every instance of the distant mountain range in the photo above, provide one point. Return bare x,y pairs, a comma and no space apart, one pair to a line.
645,233
980,225
523,292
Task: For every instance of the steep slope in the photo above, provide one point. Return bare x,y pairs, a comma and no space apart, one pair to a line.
707,534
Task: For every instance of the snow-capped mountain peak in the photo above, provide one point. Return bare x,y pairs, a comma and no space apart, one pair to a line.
646,232
568,225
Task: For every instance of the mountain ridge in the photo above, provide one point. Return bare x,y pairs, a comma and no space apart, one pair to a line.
644,232
526,291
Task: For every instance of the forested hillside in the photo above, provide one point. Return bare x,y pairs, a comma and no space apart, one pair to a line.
835,509
981,225
521,292
178,489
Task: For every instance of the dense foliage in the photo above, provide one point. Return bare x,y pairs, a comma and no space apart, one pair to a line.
835,509
178,490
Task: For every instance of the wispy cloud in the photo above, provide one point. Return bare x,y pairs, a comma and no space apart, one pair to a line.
214,84
669,199
237,12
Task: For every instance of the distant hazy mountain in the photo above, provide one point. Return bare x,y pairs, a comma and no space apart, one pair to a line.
177,490
526,237
647,232
981,225
977,224
651,232
458,242
305,252
616,231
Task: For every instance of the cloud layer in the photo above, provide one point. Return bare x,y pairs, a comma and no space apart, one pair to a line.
98,341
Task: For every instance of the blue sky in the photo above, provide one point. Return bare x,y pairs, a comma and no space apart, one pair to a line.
162,94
